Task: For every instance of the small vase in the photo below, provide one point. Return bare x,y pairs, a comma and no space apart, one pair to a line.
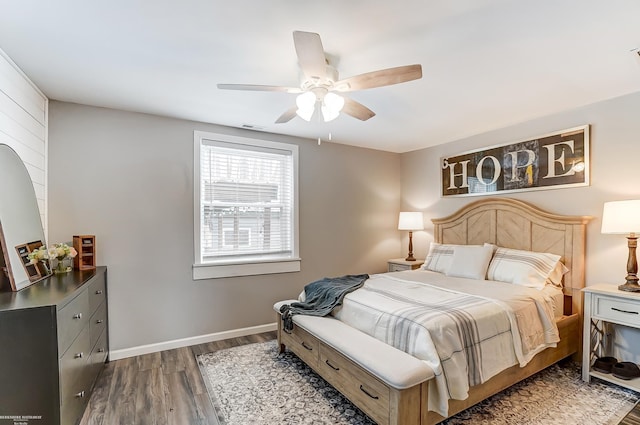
62,266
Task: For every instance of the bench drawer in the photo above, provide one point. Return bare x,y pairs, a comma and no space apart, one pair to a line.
303,344
368,393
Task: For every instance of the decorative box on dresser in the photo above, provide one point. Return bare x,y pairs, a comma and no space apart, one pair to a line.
53,344
605,305
400,264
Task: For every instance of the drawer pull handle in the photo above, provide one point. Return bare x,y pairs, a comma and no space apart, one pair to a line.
332,366
77,316
304,344
624,311
100,350
99,291
375,397
99,321
79,355
80,394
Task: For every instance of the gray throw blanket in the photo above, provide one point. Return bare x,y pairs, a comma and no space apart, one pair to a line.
321,297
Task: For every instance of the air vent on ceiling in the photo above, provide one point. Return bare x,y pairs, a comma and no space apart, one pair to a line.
252,127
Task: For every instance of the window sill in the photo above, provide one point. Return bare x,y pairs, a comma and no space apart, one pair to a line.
220,270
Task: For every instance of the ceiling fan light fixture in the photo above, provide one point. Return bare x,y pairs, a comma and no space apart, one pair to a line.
306,103
332,104
328,114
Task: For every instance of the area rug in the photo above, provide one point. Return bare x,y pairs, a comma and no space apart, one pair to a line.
252,384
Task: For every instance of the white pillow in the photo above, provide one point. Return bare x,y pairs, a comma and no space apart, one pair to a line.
555,277
439,257
525,268
470,261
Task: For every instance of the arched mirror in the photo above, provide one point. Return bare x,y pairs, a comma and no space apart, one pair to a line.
20,226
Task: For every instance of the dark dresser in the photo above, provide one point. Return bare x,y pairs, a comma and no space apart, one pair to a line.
53,345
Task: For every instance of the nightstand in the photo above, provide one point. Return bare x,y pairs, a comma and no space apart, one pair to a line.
605,305
400,264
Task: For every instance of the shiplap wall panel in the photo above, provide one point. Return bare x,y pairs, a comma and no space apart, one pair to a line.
16,131
29,155
24,125
19,88
12,110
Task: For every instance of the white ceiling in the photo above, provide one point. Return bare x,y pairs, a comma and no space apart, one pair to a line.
486,63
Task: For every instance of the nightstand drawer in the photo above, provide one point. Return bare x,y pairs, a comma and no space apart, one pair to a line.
617,310
400,264
398,267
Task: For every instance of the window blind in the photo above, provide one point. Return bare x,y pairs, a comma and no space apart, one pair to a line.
246,198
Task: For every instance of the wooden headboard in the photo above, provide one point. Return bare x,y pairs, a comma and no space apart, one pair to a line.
515,224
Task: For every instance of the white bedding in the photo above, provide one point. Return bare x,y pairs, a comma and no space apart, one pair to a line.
557,297
462,328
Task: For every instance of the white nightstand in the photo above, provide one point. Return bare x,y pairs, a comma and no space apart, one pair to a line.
400,264
605,305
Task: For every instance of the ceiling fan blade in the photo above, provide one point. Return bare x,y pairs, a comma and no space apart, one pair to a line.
254,87
357,110
310,54
288,115
383,77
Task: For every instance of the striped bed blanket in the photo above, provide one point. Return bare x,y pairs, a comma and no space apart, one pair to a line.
466,330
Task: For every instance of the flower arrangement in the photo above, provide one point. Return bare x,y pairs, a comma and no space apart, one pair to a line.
38,254
58,252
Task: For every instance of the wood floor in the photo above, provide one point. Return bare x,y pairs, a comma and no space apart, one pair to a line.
166,388
633,418
163,388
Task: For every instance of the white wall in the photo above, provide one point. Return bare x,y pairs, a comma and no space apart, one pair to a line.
23,124
127,178
615,149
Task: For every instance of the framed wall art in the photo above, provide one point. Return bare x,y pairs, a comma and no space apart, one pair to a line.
552,161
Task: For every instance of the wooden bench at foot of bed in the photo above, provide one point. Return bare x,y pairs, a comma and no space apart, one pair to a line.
391,386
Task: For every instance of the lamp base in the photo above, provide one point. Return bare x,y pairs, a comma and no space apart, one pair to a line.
412,258
629,287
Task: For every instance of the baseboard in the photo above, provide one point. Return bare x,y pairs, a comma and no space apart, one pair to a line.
185,342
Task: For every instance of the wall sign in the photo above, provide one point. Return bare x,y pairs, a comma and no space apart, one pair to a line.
552,161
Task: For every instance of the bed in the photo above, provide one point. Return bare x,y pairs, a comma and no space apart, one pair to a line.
343,348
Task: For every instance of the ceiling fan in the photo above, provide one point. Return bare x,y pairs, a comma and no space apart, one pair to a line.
317,90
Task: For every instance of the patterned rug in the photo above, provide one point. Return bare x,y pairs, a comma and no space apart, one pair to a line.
252,384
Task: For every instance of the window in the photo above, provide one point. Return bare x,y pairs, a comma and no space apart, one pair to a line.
246,207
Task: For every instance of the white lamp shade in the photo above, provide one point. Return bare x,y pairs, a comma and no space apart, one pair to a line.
306,103
332,104
621,217
410,221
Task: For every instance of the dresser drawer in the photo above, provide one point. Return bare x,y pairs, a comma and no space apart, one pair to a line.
367,392
74,362
99,351
75,400
617,310
303,344
71,319
97,292
98,323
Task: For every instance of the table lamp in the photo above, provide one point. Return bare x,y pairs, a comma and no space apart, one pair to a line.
410,221
623,217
